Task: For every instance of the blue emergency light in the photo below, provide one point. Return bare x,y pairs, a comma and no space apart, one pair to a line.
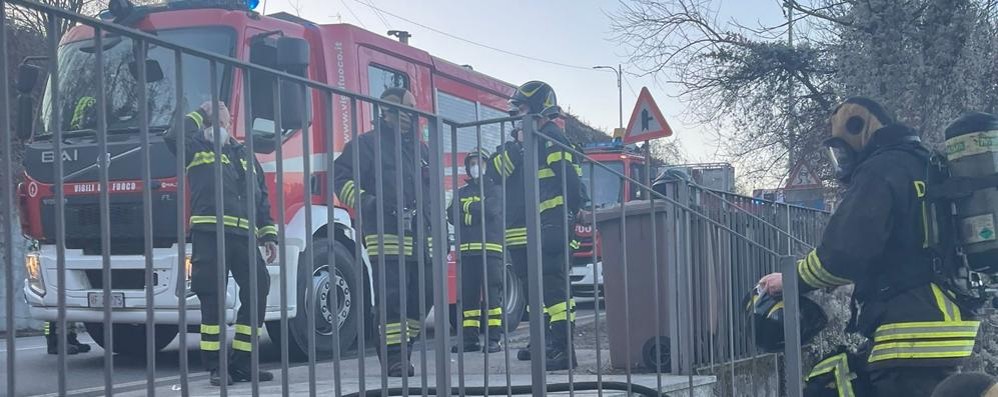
605,145
251,4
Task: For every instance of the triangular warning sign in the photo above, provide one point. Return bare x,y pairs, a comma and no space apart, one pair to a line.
802,177
647,122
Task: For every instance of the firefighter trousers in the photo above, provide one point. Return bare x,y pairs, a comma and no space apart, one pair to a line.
205,264
477,296
401,300
908,381
559,307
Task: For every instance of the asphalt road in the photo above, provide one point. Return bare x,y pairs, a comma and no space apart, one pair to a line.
36,372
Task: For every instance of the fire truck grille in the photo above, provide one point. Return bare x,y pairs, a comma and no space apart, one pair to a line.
120,279
83,226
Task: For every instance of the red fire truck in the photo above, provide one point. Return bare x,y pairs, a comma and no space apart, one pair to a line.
340,55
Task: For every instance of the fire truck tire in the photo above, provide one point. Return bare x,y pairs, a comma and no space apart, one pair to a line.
515,299
315,287
514,303
130,339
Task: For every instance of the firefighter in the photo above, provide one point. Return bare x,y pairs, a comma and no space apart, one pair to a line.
73,345
560,195
385,251
505,170
479,207
876,241
199,139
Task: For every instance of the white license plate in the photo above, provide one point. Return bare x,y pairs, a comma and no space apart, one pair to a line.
96,299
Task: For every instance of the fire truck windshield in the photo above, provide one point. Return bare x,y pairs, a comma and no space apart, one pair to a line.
608,184
78,82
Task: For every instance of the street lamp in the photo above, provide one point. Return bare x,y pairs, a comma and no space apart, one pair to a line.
619,70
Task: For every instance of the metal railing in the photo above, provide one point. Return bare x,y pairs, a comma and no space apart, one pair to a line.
331,308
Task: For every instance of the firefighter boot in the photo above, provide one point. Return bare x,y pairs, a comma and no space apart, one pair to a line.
561,356
243,375
52,340
470,343
524,353
216,378
396,366
72,341
241,370
495,341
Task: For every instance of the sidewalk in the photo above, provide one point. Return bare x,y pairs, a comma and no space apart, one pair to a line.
298,377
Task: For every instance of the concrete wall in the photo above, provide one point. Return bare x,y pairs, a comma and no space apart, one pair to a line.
758,377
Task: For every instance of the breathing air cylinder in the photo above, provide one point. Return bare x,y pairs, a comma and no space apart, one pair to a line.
972,152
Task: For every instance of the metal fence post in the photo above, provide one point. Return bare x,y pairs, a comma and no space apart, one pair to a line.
672,277
438,224
531,143
7,203
791,327
685,273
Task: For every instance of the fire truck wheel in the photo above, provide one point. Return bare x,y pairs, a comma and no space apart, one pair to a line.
514,300
130,339
318,289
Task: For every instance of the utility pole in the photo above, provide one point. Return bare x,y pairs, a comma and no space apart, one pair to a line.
619,70
791,138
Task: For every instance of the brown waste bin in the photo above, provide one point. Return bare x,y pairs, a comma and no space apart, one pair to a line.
638,313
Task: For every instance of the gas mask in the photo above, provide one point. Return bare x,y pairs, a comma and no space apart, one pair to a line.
853,125
843,157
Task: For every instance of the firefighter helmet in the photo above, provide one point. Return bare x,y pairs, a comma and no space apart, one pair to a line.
767,316
538,97
853,124
480,153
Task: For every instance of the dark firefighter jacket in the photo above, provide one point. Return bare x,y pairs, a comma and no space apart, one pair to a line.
560,178
478,212
504,171
555,166
877,240
362,194
200,159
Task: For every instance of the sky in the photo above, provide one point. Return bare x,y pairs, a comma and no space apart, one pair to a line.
571,32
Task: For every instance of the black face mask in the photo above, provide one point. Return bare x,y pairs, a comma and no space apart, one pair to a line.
844,158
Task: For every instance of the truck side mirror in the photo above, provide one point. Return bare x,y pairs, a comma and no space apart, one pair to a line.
27,78
292,57
293,100
25,115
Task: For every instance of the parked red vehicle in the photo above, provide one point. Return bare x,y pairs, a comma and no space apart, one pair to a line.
341,55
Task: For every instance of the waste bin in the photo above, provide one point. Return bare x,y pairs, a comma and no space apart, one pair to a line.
638,314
